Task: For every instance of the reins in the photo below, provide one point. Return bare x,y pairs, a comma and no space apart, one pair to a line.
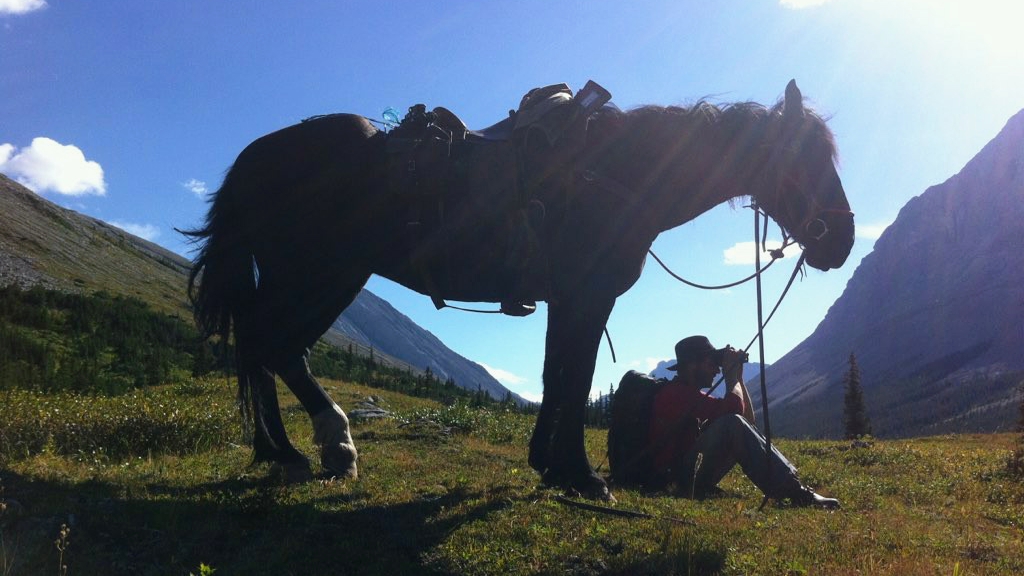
758,337
702,286
789,284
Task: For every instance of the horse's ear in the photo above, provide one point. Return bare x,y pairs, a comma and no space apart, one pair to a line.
794,103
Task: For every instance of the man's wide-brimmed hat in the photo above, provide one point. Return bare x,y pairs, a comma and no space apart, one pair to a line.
694,348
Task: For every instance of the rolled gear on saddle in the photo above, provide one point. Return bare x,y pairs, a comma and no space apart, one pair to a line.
549,132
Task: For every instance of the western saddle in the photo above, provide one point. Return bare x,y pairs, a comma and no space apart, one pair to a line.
420,154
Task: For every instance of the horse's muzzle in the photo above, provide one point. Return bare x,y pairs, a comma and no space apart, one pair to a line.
829,239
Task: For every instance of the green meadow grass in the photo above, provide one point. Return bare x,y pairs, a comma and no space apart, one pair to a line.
160,483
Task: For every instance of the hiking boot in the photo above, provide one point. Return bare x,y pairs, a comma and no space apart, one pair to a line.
805,497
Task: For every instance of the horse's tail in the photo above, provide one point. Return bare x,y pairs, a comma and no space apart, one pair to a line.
222,285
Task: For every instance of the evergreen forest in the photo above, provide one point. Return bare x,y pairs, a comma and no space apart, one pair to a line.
53,341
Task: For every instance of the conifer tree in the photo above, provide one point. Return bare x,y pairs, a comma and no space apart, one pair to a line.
855,416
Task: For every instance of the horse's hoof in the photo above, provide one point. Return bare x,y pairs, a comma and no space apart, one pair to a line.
339,461
294,472
596,491
590,486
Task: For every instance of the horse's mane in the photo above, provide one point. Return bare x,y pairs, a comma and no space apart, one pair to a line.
740,123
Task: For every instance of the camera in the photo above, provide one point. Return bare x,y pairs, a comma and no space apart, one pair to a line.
719,356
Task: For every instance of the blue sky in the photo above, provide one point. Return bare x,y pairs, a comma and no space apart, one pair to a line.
132,111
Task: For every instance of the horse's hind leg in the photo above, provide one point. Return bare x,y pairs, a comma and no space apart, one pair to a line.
296,322
338,453
270,440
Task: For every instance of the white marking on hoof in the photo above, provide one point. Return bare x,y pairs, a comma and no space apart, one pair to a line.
338,453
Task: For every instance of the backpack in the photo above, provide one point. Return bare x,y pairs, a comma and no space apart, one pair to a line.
629,455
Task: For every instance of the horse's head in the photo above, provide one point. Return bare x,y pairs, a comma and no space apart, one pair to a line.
801,189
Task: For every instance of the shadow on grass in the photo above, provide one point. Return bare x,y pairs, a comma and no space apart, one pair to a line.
246,526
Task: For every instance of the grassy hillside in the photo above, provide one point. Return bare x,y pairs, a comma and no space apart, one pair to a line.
42,243
51,340
446,490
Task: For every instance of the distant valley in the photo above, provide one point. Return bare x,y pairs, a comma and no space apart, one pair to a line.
47,245
934,315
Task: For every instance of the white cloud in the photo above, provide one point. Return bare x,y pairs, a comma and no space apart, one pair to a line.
49,166
144,231
20,6
742,253
871,231
645,365
197,187
801,4
503,376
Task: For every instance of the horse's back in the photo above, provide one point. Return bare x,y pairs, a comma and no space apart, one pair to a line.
311,145
306,186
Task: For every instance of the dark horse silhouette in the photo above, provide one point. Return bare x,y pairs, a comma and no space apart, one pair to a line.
306,215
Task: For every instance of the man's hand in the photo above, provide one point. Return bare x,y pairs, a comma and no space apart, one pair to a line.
732,365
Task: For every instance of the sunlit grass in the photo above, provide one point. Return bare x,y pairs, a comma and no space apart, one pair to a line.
446,490
190,417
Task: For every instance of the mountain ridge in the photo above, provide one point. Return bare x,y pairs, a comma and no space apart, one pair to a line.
933,313
44,244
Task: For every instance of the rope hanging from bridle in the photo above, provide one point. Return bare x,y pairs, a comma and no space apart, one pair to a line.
758,239
761,322
776,254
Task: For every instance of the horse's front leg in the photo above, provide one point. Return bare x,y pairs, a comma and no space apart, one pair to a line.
338,453
551,403
574,335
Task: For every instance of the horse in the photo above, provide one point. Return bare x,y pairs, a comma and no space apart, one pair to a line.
306,215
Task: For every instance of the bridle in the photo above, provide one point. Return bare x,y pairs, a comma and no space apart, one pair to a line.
813,223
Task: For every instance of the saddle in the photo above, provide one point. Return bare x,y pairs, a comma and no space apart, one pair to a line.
424,146
531,113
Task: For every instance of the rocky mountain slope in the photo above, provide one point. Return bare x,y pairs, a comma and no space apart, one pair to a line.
934,315
44,244
371,321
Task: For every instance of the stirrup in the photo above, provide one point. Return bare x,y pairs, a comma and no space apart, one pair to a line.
518,308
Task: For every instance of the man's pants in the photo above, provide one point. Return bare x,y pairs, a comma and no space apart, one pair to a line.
729,440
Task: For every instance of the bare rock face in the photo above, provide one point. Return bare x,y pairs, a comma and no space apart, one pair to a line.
934,315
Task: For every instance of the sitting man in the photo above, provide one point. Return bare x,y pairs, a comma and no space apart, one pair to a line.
696,460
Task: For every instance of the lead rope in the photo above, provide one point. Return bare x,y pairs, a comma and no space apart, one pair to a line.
746,349
761,326
776,254
760,343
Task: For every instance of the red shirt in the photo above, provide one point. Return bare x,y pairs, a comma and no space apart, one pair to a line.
672,404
